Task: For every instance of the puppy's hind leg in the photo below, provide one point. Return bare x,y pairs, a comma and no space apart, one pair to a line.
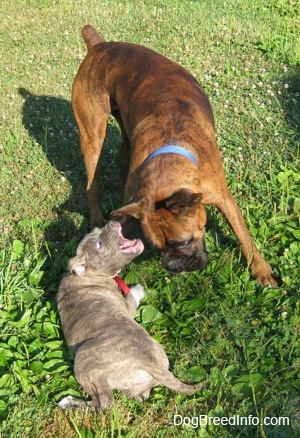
88,374
99,401
71,402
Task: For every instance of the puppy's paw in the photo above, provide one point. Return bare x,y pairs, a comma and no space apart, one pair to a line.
138,293
67,403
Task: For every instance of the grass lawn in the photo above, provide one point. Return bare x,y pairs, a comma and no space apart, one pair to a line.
217,324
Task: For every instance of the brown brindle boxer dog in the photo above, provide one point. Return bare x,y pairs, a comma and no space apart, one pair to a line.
169,151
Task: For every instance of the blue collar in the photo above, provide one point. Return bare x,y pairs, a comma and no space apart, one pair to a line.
172,149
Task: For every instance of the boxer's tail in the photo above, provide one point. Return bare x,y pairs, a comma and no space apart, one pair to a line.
91,36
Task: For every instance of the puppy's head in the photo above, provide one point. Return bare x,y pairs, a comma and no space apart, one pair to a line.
175,226
104,251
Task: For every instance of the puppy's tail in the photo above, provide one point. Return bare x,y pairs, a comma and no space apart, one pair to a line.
170,381
91,36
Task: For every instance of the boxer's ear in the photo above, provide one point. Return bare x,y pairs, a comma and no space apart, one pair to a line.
77,265
183,198
134,209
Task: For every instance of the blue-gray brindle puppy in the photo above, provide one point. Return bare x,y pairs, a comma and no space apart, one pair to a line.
111,350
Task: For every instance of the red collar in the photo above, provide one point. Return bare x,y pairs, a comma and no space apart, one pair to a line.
122,285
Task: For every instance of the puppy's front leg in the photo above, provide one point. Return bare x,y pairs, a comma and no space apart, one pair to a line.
134,297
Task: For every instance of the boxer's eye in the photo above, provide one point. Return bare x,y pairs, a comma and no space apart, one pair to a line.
183,244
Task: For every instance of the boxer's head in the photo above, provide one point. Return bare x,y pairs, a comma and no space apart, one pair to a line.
175,226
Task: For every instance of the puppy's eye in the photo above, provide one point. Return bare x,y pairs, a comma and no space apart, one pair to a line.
98,245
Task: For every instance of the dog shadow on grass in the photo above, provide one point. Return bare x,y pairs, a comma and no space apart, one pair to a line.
50,122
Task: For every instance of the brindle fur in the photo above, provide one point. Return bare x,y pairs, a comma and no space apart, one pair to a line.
157,102
111,350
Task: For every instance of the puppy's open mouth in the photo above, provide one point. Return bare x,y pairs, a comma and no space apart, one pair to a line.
126,245
129,246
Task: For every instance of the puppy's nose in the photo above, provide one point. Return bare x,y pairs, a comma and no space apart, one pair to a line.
114,224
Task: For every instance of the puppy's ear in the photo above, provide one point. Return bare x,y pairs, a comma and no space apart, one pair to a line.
77,265
183,198
134,209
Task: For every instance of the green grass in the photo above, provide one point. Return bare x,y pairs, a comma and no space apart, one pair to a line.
218,324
